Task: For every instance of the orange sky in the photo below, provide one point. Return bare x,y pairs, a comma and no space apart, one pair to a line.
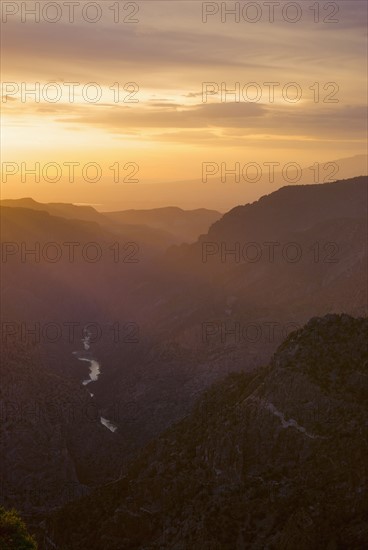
171,128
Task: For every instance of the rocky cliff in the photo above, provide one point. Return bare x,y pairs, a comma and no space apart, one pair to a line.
272,459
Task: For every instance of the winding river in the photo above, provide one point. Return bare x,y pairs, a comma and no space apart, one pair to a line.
94,373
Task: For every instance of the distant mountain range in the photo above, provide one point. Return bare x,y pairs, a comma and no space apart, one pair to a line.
170,225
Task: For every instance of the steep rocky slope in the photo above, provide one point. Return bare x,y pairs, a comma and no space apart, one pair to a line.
273,459
53,446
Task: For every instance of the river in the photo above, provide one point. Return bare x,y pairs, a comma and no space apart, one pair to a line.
94,373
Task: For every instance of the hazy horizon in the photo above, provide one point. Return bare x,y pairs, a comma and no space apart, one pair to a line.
191,194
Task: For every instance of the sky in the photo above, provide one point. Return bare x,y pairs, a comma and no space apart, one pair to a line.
142,95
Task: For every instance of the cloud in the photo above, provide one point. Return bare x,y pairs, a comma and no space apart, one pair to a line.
198,116
313,121
171,52
193,94
150,48
6,98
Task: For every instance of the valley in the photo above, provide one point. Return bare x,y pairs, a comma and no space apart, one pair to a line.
193,317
